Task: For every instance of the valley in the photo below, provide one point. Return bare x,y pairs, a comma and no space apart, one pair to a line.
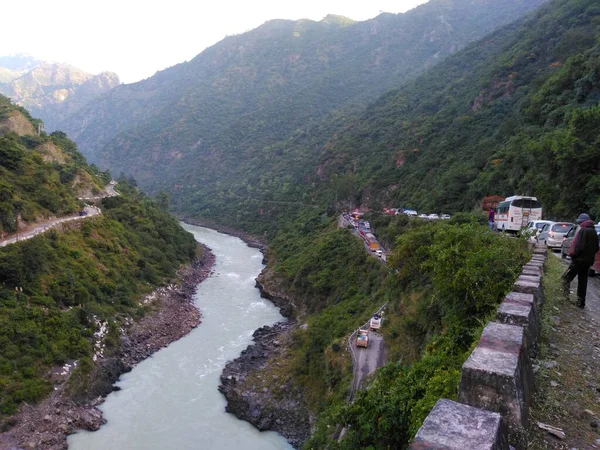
273,136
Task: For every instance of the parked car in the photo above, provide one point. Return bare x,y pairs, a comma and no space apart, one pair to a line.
566,243
433,216
533,228
445,216
379,252
552,234
423,216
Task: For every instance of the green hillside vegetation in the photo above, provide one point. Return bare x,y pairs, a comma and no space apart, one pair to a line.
337,286
56,287
445,280
513,114
441,284
191,130
33,189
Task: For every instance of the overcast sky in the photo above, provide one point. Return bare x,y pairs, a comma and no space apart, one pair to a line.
135,38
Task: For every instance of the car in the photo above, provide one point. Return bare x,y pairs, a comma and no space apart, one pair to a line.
379,252
533,228
566,243
433,216
552,234
410,212
445,216
423,216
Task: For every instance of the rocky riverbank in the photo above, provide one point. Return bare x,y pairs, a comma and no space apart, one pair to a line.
257,392
67,409
258,384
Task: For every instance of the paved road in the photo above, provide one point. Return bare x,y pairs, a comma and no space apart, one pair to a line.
48,225
343,223
367,360
91,211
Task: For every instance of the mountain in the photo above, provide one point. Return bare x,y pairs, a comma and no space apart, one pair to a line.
516,112
14,66
511,114
51,91
187,129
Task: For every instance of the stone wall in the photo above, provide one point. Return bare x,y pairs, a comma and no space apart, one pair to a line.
496,386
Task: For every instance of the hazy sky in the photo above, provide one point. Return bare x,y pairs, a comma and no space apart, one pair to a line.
136,38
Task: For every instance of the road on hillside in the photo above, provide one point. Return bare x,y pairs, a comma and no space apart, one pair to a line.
343,223
91,211
366,360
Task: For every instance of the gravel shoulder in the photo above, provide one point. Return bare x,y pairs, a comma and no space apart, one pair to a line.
568,368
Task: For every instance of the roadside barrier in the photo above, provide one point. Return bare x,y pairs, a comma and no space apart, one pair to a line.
496,386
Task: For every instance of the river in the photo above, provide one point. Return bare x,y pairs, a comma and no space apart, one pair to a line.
170,401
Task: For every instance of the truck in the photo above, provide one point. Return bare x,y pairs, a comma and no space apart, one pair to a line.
362,339
375,323
371,241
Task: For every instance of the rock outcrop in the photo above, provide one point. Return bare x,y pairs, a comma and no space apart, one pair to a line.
17,123
258,394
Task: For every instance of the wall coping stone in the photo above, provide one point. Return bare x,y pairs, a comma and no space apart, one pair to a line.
497,376
454,426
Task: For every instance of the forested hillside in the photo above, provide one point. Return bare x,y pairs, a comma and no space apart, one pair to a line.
191,129
512,113
516,113
59,288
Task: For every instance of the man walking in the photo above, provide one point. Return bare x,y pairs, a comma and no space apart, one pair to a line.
582,252
491,217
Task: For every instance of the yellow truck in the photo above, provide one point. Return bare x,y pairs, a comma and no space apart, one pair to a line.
371,241
362,338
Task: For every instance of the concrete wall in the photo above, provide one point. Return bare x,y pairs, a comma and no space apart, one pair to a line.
497,383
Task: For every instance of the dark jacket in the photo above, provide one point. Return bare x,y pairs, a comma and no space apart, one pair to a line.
585,244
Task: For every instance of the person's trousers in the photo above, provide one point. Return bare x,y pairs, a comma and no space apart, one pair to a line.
579,270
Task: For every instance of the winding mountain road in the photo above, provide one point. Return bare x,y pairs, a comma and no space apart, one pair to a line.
91,211
366,360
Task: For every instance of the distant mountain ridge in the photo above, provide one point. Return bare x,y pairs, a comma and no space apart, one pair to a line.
51,91
188,128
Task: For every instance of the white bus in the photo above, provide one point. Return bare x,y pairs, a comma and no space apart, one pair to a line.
516,212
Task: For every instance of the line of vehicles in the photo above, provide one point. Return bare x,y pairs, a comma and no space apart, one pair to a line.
413,213
362,337
522,214
558,236
363,228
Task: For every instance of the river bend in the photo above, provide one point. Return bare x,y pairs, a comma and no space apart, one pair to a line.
170,401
